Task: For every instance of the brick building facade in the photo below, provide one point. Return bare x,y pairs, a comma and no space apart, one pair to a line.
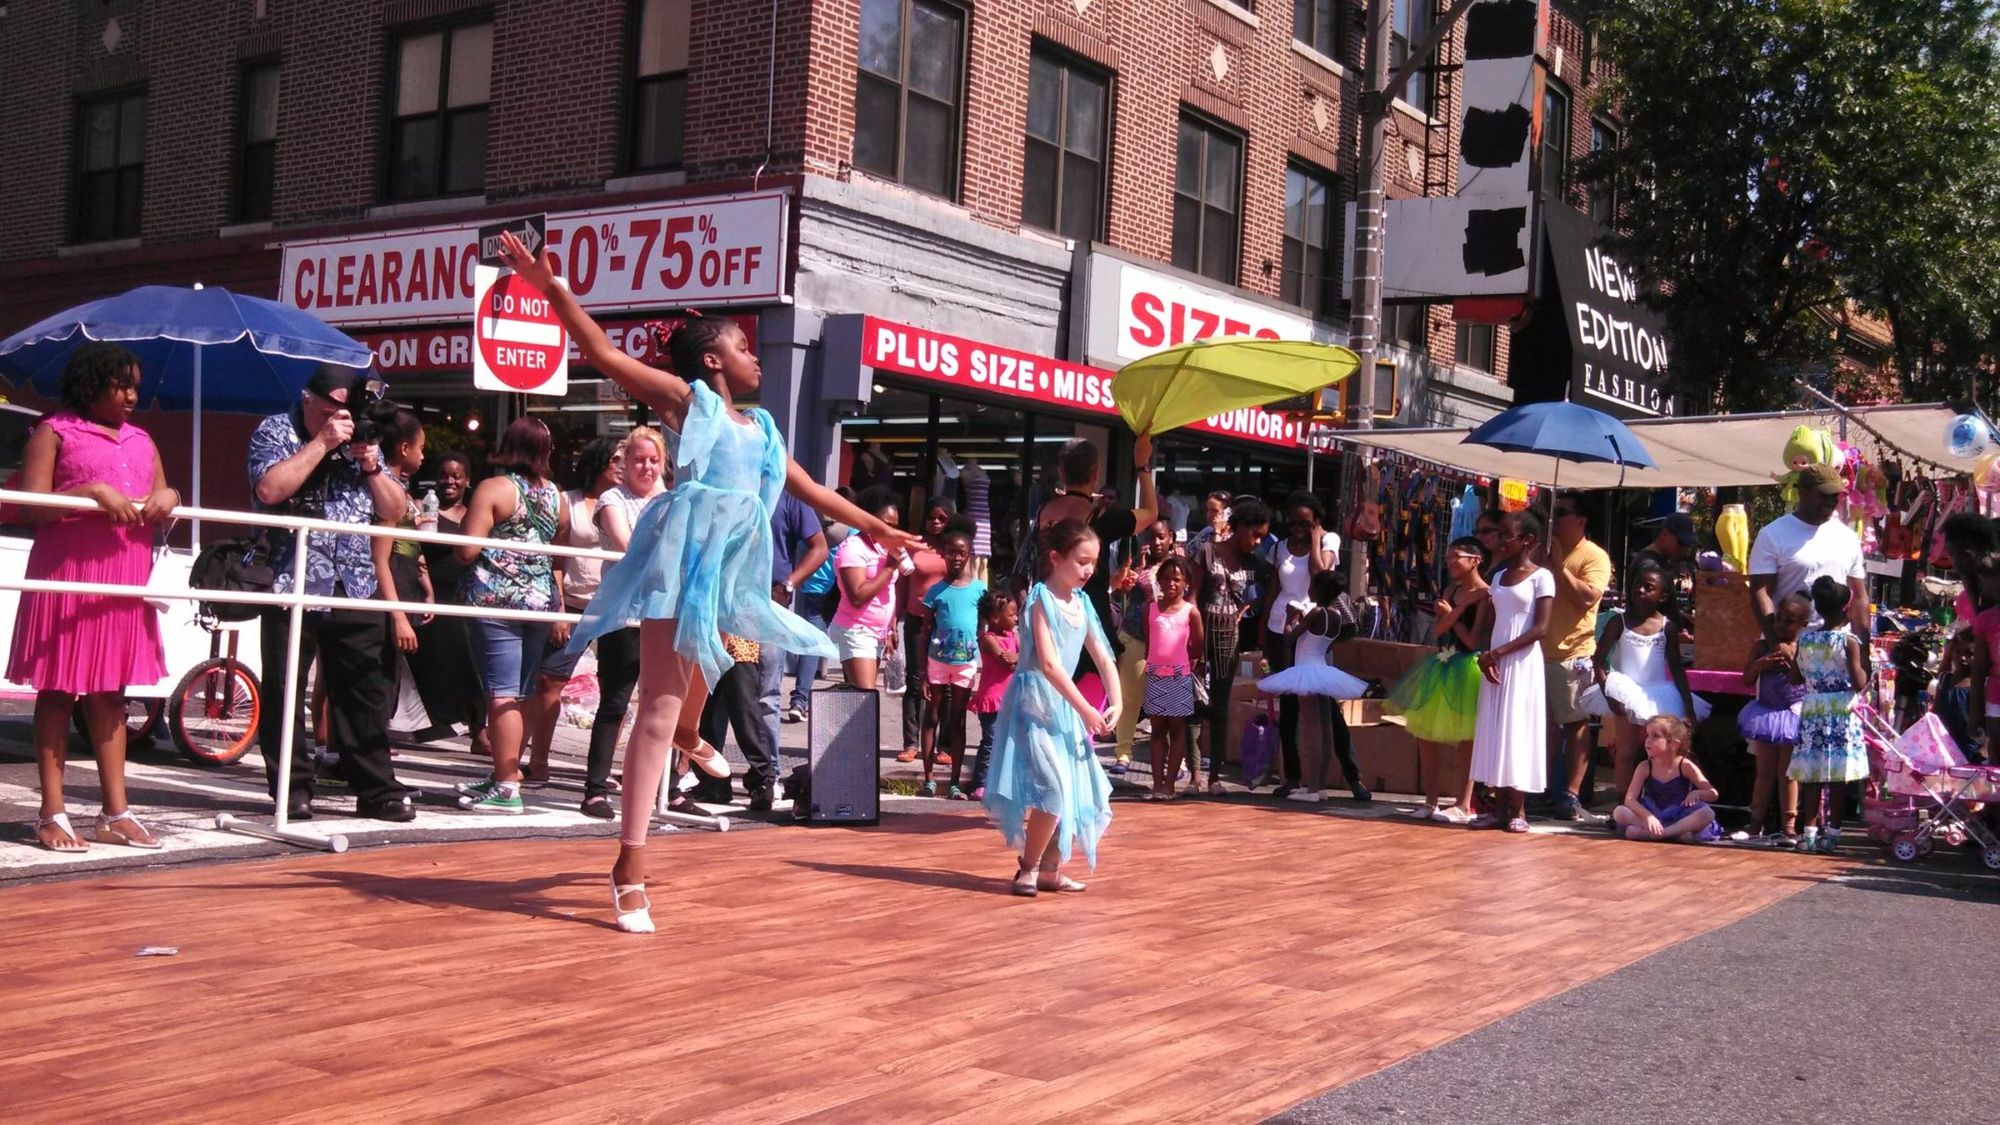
589,103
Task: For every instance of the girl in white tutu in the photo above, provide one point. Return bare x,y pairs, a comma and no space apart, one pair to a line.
1639,669
1314,631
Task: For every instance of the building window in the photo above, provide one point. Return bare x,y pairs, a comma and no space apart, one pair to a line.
1413,22
1603,194
1064,183
659,87
1208,179
1311,254
1477,346
1406,326
110,167
437,139
1555,140
907,93
257,156
1316,23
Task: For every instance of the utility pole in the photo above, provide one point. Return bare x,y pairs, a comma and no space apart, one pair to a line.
1364,326
1378,87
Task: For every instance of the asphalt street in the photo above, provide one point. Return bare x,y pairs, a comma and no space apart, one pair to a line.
1865,998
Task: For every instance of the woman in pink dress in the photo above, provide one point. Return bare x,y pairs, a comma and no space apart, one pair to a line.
71,646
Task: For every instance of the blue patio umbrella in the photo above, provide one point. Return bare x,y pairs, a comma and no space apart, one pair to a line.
198,348
1564,431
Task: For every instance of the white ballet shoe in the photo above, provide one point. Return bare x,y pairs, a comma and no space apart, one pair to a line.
638,921
706,758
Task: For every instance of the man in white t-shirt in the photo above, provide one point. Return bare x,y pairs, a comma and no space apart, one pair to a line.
1792,552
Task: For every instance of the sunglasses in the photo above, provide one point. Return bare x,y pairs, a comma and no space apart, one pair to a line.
1563,512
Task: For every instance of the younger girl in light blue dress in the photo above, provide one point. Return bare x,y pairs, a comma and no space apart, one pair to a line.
1046,790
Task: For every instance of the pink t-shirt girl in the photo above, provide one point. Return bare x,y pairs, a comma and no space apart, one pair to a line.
857,551
1167,640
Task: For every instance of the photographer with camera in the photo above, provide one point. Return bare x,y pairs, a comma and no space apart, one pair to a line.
319,460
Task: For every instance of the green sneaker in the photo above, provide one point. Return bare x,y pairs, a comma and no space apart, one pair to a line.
477,788
500,799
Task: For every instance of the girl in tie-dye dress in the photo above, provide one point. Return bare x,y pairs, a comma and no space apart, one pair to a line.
1830,752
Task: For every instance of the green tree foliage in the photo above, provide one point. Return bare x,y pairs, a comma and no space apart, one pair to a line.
1783,157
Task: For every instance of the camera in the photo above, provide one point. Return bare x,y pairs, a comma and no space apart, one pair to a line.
362,403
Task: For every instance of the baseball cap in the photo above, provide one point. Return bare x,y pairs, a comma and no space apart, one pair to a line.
328,378
1680,525
364,388
1821,478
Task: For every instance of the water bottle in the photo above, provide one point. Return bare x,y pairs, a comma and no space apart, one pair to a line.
430,504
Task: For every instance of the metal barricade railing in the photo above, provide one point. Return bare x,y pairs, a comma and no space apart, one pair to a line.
297,602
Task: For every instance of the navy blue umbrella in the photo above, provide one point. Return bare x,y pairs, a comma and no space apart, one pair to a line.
199,349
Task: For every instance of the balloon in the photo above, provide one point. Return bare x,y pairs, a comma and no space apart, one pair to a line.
1968,437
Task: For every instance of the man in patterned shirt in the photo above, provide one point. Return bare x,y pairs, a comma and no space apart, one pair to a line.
305,462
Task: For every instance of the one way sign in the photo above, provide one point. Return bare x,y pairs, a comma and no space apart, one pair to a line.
532,230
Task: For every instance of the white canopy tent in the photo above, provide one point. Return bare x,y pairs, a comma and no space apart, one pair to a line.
1714,451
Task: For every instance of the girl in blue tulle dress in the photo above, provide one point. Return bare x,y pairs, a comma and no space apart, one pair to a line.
699,561
1045,790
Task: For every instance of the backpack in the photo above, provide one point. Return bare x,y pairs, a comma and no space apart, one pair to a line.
234,566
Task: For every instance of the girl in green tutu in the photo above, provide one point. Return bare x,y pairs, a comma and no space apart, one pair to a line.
1439,700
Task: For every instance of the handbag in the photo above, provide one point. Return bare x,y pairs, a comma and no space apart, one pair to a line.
1260,745
234,566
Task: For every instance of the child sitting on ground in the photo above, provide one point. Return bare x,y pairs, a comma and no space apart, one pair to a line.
1668,797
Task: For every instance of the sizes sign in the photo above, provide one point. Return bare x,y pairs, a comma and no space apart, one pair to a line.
717,250
1135,311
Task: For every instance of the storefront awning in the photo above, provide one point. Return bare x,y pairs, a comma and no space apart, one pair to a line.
1707,452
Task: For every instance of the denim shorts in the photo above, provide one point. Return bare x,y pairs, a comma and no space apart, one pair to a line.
558,662
508,654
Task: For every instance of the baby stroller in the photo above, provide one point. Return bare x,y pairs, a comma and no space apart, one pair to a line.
1924,791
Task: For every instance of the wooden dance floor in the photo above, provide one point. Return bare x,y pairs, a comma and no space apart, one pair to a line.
1227,962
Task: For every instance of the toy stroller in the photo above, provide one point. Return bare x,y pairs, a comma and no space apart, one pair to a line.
1925,791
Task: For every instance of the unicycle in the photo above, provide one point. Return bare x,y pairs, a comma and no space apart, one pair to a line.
212,712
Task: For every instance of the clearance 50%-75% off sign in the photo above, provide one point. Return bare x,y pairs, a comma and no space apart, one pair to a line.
716,250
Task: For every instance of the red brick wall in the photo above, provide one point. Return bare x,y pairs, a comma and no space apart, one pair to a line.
559,70
560,75
38,56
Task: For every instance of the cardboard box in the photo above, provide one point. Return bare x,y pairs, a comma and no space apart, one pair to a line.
1387,661
1387,756
1724,626
1359,712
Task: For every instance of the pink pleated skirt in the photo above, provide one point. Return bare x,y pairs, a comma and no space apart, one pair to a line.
84,643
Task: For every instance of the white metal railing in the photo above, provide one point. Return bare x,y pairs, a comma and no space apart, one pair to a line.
298,602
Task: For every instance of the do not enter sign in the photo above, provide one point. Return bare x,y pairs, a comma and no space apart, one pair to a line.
517,343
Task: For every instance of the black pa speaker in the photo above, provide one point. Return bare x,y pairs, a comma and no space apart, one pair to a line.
843,737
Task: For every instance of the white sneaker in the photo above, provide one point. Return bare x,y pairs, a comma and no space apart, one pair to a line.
1309,796
1423,812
